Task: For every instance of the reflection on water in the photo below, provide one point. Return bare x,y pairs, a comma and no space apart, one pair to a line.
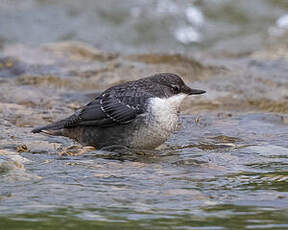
232,170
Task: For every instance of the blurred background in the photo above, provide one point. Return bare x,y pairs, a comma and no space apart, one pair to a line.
147,25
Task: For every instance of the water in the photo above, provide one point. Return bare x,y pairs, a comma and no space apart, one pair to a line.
151,25
226,168
233,176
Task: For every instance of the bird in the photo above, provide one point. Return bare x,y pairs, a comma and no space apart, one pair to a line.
139,114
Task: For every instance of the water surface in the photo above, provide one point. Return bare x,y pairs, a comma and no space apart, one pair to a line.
226,168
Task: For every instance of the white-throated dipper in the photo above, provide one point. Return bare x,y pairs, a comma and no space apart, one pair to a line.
138,114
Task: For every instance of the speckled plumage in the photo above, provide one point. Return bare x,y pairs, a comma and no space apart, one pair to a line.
135,114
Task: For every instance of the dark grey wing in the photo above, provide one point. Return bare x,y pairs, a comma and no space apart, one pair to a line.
122,109
117,105
90,114
109,110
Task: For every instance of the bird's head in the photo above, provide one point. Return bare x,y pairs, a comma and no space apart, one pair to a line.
172,88
172,84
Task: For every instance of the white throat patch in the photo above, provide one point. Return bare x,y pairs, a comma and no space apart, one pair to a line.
165,110
161,121
175,101
171,103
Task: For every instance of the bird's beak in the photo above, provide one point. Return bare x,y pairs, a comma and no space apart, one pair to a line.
190,91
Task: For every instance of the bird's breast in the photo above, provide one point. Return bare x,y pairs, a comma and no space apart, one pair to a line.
164,112
161,120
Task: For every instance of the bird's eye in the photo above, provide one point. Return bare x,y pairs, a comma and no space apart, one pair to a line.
176,88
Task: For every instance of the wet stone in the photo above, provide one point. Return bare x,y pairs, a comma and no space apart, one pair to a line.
11,67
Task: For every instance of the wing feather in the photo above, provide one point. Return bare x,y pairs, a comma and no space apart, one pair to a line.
109,110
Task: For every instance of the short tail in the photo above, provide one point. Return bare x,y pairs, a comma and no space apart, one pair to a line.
55,129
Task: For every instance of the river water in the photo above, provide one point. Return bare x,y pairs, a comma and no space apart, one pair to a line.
225,168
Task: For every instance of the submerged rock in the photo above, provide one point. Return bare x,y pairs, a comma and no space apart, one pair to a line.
11,67
12,168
